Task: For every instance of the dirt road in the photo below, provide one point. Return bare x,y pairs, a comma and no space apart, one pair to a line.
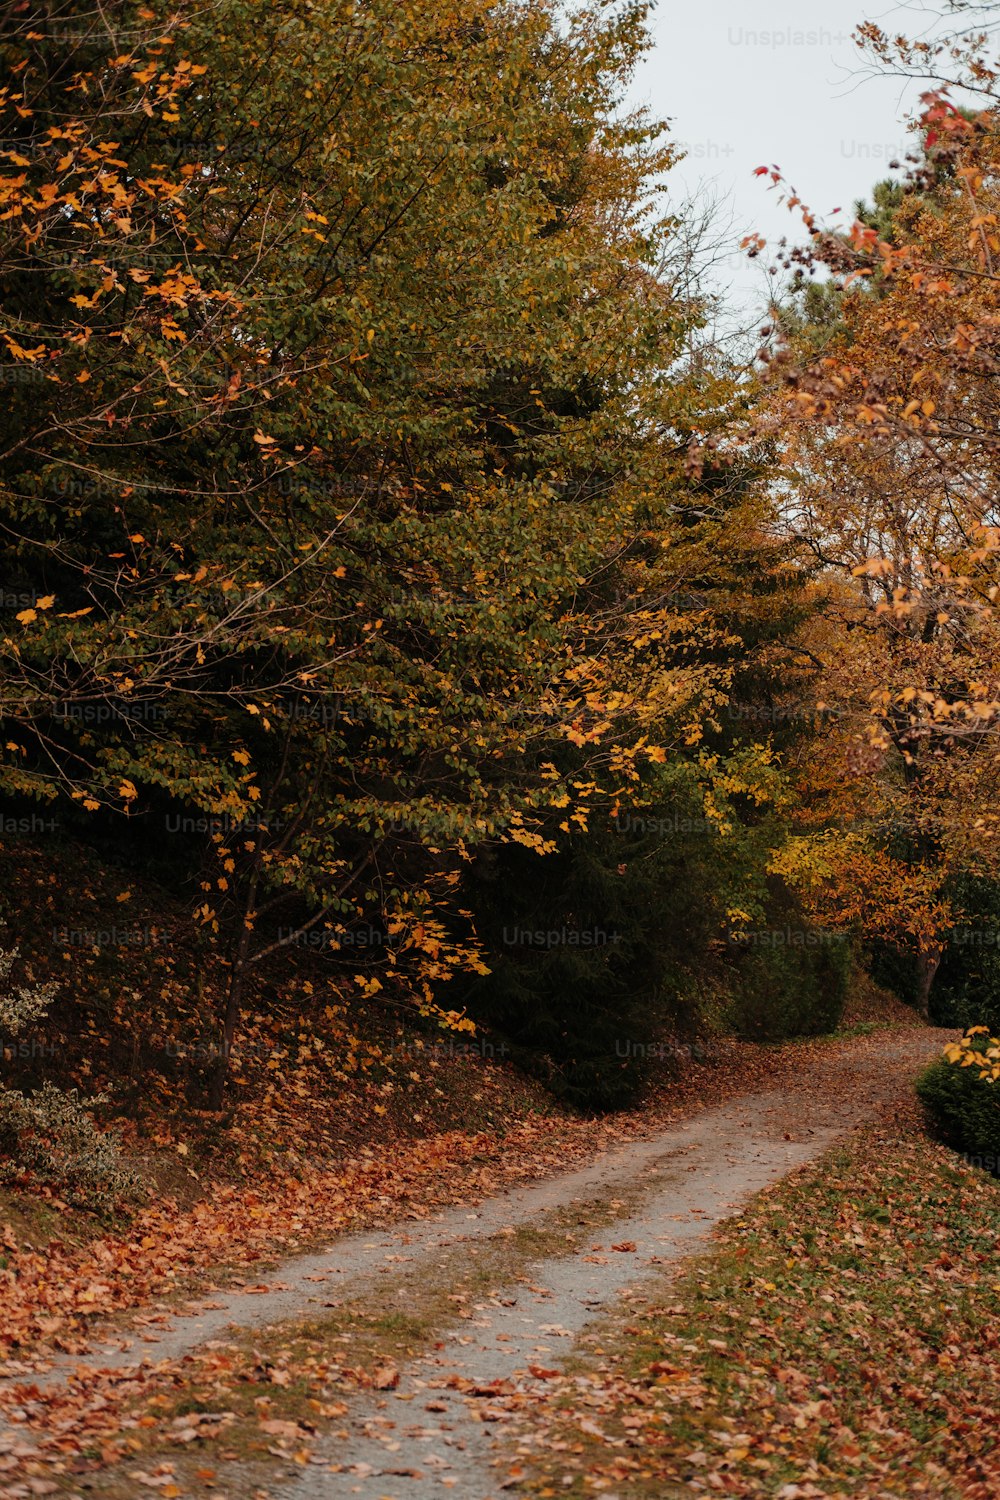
440,1430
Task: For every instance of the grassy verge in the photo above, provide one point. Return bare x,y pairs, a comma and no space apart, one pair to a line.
842,1340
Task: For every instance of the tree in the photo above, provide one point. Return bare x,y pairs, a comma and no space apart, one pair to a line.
889,421
345,496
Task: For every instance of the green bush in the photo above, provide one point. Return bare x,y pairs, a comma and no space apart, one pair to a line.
967,987
962,1106
595,950
792,990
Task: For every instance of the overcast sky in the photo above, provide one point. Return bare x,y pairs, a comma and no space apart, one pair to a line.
747,83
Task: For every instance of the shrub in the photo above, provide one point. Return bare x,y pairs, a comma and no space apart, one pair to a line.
961,1094
967,987
787,991
50,1133
591,950
20,1005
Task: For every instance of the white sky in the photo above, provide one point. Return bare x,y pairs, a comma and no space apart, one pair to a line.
748,83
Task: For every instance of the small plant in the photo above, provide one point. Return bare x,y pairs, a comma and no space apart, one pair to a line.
51,1133
961,1095
20,1005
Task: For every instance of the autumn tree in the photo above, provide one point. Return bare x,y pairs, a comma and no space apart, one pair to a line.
347,477
889,426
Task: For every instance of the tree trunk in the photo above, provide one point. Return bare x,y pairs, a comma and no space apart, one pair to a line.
928,963
234,1005
234,996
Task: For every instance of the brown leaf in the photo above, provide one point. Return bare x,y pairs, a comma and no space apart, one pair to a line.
385,1378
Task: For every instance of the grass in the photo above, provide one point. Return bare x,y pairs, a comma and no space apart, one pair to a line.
841,1339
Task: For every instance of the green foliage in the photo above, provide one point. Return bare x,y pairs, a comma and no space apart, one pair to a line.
797,985
364,502
355,434
811,314
967,987
896,969
603,948
964,1109
594,950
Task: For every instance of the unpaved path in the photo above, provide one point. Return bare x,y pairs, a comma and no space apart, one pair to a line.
678,1185
395,1447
